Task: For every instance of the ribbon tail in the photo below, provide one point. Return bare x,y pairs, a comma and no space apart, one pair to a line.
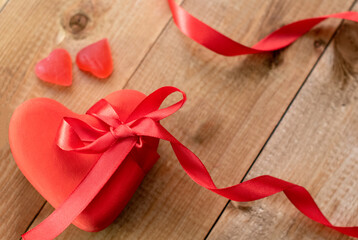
84,193
251,190
221,44
257,188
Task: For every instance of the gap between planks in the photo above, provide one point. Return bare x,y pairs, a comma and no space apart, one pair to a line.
3,5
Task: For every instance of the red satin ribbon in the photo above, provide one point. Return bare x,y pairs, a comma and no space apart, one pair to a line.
219,43
117,138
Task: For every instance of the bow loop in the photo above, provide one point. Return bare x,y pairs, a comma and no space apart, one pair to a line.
76,135
149,107
104,111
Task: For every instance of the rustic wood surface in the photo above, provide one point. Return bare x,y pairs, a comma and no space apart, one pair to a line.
316,146
236,107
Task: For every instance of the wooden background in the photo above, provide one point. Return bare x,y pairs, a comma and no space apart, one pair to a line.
292,114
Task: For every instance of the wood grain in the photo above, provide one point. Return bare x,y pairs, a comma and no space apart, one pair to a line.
234,104
316,146
29,32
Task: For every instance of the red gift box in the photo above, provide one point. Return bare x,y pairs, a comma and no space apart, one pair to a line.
56,173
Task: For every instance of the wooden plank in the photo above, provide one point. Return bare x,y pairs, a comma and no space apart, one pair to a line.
234,104
29,31
3,4
314,146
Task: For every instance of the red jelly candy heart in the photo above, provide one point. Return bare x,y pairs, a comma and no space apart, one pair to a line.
56,68
56,173
96,59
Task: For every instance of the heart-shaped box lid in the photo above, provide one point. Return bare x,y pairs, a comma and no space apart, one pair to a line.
55,173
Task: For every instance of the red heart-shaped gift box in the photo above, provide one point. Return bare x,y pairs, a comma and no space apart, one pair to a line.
55,173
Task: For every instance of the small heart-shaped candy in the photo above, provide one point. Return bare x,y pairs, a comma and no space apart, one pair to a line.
56,173
56,68
96,59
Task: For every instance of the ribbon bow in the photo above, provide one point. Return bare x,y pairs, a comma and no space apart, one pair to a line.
116,139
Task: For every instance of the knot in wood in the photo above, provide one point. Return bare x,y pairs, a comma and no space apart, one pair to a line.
78,22
318,43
